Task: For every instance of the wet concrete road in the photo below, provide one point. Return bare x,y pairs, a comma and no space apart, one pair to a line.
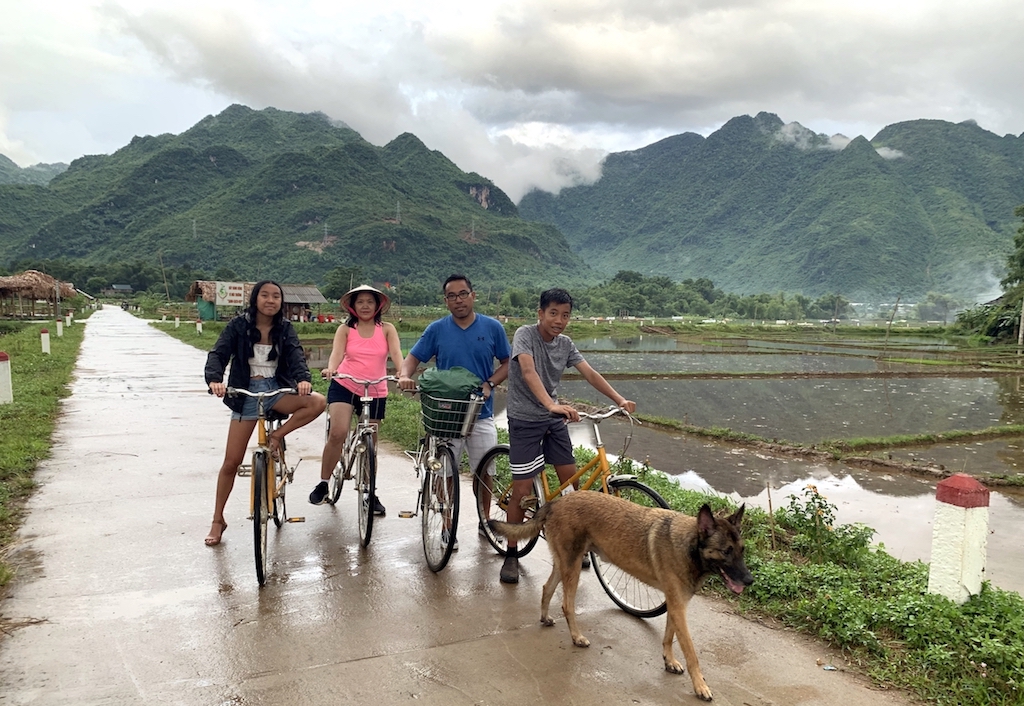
121,603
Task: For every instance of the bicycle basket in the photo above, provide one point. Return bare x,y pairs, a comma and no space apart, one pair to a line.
447,418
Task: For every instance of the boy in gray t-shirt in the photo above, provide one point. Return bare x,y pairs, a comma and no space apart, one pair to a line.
536,422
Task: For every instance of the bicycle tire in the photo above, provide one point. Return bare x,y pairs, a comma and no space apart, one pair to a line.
501,490
336,481
628,592
366,487
278,511
260,514
439,515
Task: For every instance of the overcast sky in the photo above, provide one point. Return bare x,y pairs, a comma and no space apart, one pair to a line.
529,93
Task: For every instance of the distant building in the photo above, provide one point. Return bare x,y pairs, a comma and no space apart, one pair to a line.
299,299
118,290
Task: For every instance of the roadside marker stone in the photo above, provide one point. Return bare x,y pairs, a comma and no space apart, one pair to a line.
44,336
959,538
6,391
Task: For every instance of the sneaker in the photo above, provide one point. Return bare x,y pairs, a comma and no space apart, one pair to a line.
586,561
445,536
510,570
378,509
319,494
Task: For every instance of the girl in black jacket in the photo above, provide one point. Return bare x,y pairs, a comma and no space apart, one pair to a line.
265,354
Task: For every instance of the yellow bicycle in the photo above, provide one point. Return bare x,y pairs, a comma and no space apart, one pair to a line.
269,478
492,486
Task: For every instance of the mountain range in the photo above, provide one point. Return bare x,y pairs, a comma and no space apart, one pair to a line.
757,206
292,196
760,205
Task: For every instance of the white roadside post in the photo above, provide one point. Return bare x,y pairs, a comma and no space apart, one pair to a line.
6,391
199,325
60,328
67,319
959,538
177,321
44,336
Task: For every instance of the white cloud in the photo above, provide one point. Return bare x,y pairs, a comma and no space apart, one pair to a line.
526,92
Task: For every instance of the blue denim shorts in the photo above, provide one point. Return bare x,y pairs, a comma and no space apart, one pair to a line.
249,411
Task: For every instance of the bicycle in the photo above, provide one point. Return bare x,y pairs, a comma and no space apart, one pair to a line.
359,452
629,593
269,477
435,463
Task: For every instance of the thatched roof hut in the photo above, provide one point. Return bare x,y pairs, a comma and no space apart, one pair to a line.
32,284
17,291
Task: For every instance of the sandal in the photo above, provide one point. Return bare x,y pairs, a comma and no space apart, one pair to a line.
275,446
212,540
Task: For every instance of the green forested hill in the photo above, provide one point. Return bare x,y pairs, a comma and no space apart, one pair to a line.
11,173
762,206
292,196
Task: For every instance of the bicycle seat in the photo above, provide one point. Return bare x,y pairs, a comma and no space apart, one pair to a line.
275,416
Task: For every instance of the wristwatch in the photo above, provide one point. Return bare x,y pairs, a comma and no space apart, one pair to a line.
491,383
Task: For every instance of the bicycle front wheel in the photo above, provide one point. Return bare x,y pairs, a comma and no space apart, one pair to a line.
630,593
440,511
366,487
260,514
492,486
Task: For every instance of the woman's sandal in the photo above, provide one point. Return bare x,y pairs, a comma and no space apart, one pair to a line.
275,446
212,540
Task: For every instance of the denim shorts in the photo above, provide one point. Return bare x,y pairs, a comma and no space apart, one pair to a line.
249,411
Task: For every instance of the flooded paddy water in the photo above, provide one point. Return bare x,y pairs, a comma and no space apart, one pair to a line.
808,391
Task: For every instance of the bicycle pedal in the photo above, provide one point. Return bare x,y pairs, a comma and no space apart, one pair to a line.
296,519
406,514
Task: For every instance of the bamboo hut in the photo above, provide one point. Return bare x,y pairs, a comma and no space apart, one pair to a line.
21,294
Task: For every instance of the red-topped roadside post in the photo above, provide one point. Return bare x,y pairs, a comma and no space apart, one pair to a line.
959,538
44,338
6,390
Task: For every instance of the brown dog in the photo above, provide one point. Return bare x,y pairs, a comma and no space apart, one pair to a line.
665,549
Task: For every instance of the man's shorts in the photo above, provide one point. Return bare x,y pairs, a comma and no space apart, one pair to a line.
532,444
337,393
250,410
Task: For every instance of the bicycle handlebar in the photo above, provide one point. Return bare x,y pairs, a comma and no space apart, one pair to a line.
235,391
610,412
346,376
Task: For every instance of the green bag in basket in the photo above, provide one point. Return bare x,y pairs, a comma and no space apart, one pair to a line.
444,398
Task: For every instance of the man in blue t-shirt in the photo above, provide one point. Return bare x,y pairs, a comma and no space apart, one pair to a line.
469,340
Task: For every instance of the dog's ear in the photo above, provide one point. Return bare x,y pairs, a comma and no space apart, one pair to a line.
736,518
705,521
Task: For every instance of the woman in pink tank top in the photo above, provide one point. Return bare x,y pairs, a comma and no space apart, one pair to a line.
361,349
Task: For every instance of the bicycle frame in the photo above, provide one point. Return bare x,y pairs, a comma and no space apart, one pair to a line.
363,425
599,464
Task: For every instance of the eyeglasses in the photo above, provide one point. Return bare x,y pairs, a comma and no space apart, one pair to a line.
457,296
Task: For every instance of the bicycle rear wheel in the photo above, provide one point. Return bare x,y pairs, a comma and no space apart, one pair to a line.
493,505
366,487
260,514
630,593
440,511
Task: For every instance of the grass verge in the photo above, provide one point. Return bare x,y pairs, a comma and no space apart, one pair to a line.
39,383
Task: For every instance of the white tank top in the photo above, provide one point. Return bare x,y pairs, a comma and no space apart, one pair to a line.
259,366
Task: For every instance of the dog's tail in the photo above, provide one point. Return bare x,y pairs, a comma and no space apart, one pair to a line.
522,531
